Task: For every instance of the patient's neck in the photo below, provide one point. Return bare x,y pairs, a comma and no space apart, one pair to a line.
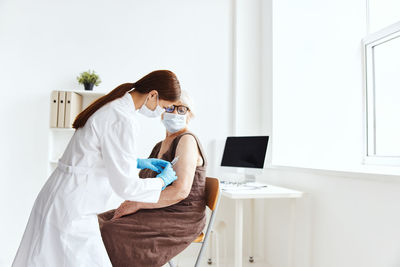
172,135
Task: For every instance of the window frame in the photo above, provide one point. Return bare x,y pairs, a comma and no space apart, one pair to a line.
368,43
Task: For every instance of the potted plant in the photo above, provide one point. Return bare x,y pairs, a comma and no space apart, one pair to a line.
88,79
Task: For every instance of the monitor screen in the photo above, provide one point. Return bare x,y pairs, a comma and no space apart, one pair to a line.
245,152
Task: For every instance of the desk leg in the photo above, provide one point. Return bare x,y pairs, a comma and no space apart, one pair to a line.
292,231
252,230
238,233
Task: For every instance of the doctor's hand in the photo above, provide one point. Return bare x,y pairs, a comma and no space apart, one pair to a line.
156,165
168,175
127,207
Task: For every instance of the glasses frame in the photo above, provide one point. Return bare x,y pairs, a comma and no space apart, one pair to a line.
176,107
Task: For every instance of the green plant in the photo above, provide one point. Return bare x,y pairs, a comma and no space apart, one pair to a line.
89,77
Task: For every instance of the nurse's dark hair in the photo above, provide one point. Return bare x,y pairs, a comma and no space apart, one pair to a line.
164,82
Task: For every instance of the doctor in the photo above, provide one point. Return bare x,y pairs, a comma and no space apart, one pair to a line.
100,158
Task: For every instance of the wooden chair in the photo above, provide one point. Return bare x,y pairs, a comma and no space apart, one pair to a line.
212,196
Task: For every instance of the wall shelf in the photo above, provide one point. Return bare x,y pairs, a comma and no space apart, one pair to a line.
60,137
62,129
87,93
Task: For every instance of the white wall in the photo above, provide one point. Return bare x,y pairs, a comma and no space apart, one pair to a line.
344,220
247,76
44,45
382,13
317,80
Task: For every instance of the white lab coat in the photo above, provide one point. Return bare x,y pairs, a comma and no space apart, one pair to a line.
100,159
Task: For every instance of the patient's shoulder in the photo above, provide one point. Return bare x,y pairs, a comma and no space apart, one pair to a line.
187,141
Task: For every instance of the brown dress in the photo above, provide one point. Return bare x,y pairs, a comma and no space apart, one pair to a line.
152,237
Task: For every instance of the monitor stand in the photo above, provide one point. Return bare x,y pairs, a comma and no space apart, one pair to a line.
249,174
250,178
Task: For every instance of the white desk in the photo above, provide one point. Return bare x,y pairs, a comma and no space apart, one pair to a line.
241,193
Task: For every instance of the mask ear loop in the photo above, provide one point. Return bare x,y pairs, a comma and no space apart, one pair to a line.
147,97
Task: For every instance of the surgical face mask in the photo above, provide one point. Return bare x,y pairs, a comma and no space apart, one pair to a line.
174,122
151,113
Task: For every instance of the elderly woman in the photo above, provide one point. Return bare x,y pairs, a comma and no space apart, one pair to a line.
146,234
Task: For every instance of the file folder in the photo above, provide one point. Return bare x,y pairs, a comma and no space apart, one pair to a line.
61,109
54,109
73,107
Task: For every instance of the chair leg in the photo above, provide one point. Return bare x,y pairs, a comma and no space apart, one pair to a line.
200,254
171,263
222,236
210,248
216,246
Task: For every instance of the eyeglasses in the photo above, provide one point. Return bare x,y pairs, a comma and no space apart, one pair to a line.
180,109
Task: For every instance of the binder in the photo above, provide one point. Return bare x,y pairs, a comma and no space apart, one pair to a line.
54,109
61,109
73,107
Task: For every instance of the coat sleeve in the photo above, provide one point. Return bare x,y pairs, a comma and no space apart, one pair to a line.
118,152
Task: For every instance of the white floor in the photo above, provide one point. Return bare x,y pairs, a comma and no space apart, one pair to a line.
188,258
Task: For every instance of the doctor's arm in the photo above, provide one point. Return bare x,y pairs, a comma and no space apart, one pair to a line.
118,152
185,168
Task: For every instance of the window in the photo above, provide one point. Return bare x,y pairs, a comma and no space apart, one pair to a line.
382,69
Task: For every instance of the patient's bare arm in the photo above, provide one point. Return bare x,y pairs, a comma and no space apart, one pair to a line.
185,168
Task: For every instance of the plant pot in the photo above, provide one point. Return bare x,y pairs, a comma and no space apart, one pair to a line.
88,86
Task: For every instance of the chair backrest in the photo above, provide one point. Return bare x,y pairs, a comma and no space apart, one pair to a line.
212,192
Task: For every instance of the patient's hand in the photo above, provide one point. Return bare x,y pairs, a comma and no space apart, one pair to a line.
127,207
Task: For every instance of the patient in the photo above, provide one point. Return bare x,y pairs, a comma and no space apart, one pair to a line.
150,234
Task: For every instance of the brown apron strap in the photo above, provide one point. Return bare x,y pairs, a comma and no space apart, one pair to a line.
155,150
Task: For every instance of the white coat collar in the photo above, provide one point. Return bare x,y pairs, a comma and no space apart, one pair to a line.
128,101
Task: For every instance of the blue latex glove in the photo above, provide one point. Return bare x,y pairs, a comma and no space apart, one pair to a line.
156,165
168,175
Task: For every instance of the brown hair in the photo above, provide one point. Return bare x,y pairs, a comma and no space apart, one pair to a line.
164,82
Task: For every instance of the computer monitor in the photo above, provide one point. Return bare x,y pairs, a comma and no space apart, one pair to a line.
245,152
